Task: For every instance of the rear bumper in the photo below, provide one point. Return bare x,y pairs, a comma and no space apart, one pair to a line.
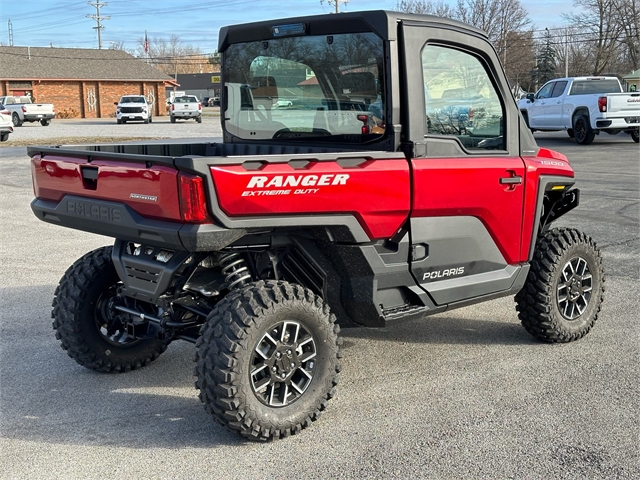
186,114
33,117
617,123
117,220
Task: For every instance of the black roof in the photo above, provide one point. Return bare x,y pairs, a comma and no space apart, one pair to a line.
382,22
36,63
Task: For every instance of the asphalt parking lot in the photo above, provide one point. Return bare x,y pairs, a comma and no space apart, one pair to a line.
463,394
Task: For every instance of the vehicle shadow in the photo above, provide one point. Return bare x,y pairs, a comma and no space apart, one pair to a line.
444,329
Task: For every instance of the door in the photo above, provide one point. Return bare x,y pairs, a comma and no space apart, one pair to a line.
538,109
553,109
468,184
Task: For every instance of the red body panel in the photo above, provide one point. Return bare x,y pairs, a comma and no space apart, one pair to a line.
548,162
471,187
375,192
55,177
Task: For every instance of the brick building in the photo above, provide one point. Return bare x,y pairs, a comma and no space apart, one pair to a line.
80,82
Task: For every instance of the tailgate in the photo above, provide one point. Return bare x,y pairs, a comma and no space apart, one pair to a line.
627,104
39,108
186,107
152,192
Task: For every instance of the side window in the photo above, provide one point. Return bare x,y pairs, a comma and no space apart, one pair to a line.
461,100
545,92
558,89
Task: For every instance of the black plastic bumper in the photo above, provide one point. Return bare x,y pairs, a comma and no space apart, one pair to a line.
117,220
37,118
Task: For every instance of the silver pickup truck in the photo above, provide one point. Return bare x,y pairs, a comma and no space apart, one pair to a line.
186,106
22,109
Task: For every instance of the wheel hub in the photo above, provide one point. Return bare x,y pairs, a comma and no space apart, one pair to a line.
283,362
574,288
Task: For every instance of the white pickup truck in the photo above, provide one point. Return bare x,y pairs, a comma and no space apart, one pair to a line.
583,106
22,109
186,106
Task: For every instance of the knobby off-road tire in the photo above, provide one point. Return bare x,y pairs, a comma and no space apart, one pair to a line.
245,346
563,293
570,132
85,323
582,131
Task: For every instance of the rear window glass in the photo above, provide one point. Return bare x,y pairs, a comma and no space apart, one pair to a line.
585,87
186,100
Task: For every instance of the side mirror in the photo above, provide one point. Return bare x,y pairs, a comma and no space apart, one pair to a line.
115,103
531,97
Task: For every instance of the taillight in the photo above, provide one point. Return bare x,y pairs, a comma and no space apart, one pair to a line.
602,104
173,106
365,120
24,109
4,112
470,113
193,202
199,106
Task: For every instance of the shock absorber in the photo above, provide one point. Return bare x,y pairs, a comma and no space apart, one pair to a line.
235,270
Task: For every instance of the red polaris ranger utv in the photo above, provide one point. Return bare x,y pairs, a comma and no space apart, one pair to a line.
374,165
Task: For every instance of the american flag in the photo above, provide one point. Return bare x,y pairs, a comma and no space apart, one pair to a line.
145,45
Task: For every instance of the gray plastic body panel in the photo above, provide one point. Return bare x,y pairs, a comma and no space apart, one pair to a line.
452,244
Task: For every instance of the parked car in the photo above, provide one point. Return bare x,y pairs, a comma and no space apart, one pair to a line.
22,109
283,103
6,126
210,101
186,106
132,108
583,106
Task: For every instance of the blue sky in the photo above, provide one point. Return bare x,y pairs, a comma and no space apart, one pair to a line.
196,22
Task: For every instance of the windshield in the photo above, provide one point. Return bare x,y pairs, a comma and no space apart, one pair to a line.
306,87
132,100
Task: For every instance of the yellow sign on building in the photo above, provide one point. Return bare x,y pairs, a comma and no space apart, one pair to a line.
215,78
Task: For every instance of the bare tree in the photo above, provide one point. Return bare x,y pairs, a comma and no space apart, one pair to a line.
600,31
628,15
172,56
439,8
506,23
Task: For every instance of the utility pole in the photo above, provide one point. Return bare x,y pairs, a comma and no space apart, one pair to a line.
566,53
98,19
10,34
335,3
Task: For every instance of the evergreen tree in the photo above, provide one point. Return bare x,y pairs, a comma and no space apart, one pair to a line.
545,61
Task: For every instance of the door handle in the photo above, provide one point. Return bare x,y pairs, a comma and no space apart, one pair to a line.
515,180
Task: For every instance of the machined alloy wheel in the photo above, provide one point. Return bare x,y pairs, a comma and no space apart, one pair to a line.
283,364
575,287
